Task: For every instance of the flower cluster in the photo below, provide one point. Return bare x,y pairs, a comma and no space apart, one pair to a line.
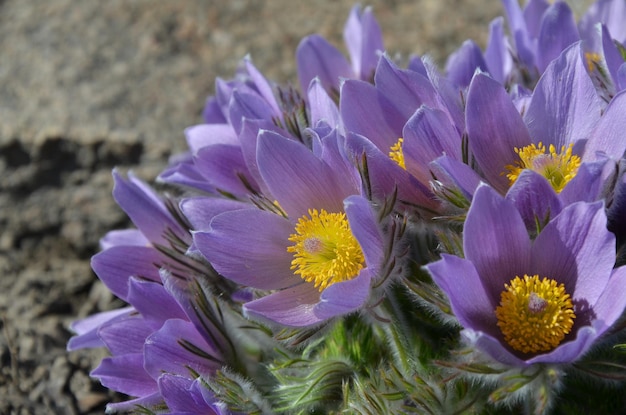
386,239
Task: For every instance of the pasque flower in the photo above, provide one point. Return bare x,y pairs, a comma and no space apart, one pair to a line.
319,253
156,340
524,301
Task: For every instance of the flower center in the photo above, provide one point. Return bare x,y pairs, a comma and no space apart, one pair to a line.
325,250
534,315
396,153
558,168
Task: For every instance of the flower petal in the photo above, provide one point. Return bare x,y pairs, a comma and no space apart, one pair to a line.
495,240
249,247
577,250
494,128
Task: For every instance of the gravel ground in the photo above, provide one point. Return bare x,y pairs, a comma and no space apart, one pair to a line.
86,86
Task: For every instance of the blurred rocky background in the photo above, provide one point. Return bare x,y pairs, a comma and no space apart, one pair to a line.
89,85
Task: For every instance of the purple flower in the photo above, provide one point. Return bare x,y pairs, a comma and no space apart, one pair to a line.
555,153
157,339
317,58
524,301
318,252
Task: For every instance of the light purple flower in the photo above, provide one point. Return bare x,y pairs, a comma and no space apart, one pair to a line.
574,249
251,246
317,58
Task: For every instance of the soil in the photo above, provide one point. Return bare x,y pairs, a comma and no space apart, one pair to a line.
88,86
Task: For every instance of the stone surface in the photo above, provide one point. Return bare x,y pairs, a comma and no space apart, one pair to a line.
88,86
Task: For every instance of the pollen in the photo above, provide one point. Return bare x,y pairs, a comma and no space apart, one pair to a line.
593,60
534,315
396,153
325,251
557,168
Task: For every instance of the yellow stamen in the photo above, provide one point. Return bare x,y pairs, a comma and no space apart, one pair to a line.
558,168
534,316
325,250
396,153
593,60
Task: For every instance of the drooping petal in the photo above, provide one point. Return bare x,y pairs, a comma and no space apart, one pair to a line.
534,198
472,304
125,374
116,265
291,307
87,329
249,247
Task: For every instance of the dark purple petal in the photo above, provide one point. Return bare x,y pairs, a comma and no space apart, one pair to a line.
565,106
453,173
428,135
407,90
612,55
186,174
495,129
116,265
154,303
292,307
126,334
296,177
184,396
608,138
145,209
472,304
495,240
176,348
212,112
317,58
366,111
364,41
125,374
249,247
385,175
492,346
223,167
344,297
87,329
463,63
558,31
365,229
576,249
534,198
